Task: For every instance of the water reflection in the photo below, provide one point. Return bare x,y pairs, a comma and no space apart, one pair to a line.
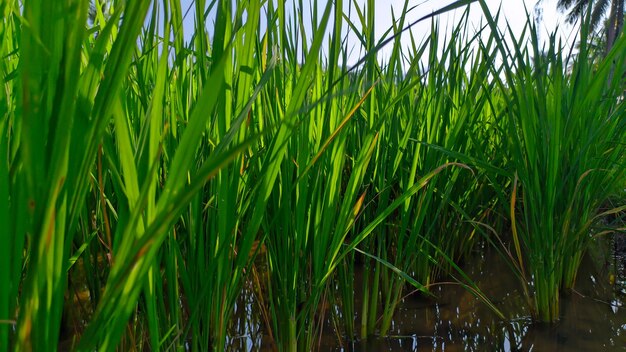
246,332
593,317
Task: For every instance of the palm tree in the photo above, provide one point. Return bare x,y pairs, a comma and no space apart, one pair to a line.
599,8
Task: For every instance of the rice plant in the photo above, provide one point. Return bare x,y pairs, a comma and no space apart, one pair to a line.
436,109
145,169
57,128
565,135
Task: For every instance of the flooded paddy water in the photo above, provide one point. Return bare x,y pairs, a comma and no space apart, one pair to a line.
593,317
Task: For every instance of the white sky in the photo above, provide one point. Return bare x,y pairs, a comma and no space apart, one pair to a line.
513,11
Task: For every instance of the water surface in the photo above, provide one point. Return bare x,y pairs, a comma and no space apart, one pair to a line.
592,316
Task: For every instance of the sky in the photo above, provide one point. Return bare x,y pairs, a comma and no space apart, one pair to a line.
512,11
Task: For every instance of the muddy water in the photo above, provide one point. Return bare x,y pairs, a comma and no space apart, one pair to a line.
593,318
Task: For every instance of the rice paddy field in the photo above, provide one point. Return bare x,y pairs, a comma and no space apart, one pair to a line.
254,188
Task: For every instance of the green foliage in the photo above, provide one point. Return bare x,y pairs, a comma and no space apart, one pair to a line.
565,138
141,174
